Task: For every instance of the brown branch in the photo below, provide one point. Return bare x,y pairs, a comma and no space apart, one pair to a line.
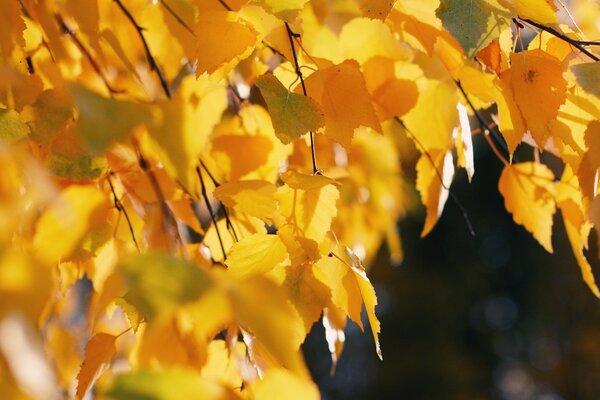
120,208
225,212
85,52
149,56
170,224
579,44
484,125
210,211
462,208
291,36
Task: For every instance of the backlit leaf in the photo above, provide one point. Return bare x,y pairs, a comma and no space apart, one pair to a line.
256,255
588,76
293,114
474,23
98,353
528,191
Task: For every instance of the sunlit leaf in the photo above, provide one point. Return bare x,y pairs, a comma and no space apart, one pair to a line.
293,114
528,191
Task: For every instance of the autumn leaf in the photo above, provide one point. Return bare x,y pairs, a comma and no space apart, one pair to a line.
528,191
98,353
474,23
587,76
256,255
293,115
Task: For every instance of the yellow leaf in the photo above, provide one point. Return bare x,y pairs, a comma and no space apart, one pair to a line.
262,309
433,190
98,353
186,122
256,255
434,130
569,200
309,203
103,121
167,384
342,92
536,74
308,294
293,114
376,9
68,218
286,10
12,126
167,344
223,363
588,77
510,120
364,38
528,191
160,284
256,198
234,39
350,289
542,11
334,322
49,115
243,155
282,384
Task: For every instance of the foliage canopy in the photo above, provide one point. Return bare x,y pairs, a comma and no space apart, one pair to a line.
220,172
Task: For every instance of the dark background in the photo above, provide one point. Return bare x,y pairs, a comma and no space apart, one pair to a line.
487,317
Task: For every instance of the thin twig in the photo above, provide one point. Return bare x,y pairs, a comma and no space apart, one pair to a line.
149,56
85,52
225,212
291,36
580,45
170,224
177,17
462,208
487,128
120,208
210,211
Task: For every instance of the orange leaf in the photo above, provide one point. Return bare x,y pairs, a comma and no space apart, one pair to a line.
98,353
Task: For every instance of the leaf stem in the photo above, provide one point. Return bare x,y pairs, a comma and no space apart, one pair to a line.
579,44
85,52
210,211
462,208
487,129
149,56
120,208
291,36
225,212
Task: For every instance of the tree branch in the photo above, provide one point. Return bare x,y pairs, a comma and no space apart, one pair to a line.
149,56
291,36
63,26
210,211
462,208
484,125
580,45
225,212
120,208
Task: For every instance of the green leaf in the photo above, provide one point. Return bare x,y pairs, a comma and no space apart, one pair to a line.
170,384
103,121
49,115
474,23
159,284
293,114
12,126
588,76
77,167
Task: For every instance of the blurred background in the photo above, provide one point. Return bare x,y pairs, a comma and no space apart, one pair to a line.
487,317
